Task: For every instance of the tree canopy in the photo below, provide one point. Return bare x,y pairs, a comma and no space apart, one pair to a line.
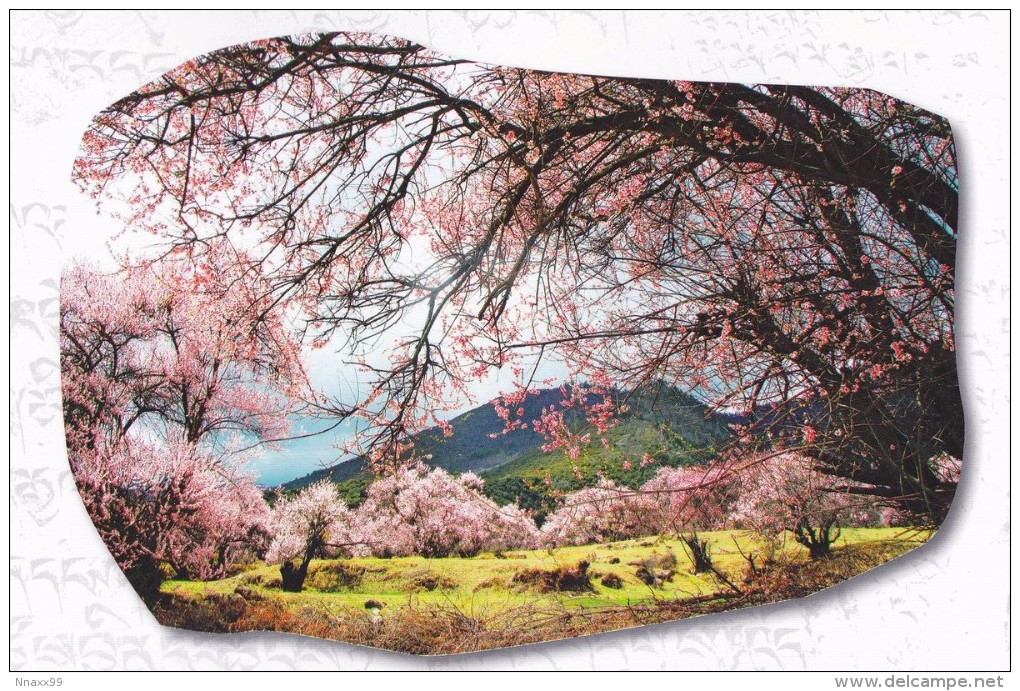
784,251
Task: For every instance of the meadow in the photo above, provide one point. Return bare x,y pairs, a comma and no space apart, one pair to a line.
738,299
459,604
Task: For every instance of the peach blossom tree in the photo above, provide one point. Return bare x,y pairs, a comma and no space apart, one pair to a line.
773,247
168,369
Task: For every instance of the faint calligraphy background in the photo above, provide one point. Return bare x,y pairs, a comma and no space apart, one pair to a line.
943,607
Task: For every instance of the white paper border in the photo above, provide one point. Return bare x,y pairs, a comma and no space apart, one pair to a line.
943,607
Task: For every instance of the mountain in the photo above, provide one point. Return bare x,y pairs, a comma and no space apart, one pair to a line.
477,444
662,427
671,427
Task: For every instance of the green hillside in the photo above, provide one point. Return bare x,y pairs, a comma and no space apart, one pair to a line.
478,443
670,426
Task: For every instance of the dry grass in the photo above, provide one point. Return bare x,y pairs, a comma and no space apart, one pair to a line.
438,627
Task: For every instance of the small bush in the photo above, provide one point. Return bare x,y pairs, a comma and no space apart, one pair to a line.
249,594
564,579
252,578
611,580
491,583
656,569
654,577
432,582
335,576
656,560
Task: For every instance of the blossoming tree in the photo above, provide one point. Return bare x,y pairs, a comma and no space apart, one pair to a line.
314,523
779,247
783,492
167,368
416,510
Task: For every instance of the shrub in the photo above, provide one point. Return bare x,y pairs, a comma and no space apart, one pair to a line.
611,580
564,579
335,576
656,569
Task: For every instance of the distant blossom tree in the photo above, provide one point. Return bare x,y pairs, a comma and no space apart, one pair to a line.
784,492
314,523
416,510
693,497
682,500
602,513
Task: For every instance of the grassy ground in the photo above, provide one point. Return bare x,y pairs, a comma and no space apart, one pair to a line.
459,604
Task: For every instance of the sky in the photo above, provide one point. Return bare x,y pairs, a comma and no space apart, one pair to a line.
327,370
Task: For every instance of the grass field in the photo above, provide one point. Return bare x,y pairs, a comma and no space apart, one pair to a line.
456,604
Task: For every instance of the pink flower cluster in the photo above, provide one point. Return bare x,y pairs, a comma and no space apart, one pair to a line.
171,503
168,369
414,510
690,497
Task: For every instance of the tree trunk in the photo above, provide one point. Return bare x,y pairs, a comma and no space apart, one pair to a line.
294,576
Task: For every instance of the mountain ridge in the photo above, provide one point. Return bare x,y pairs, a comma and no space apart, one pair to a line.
661,426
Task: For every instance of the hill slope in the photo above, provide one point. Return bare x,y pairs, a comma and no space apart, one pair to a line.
477,443
669,426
